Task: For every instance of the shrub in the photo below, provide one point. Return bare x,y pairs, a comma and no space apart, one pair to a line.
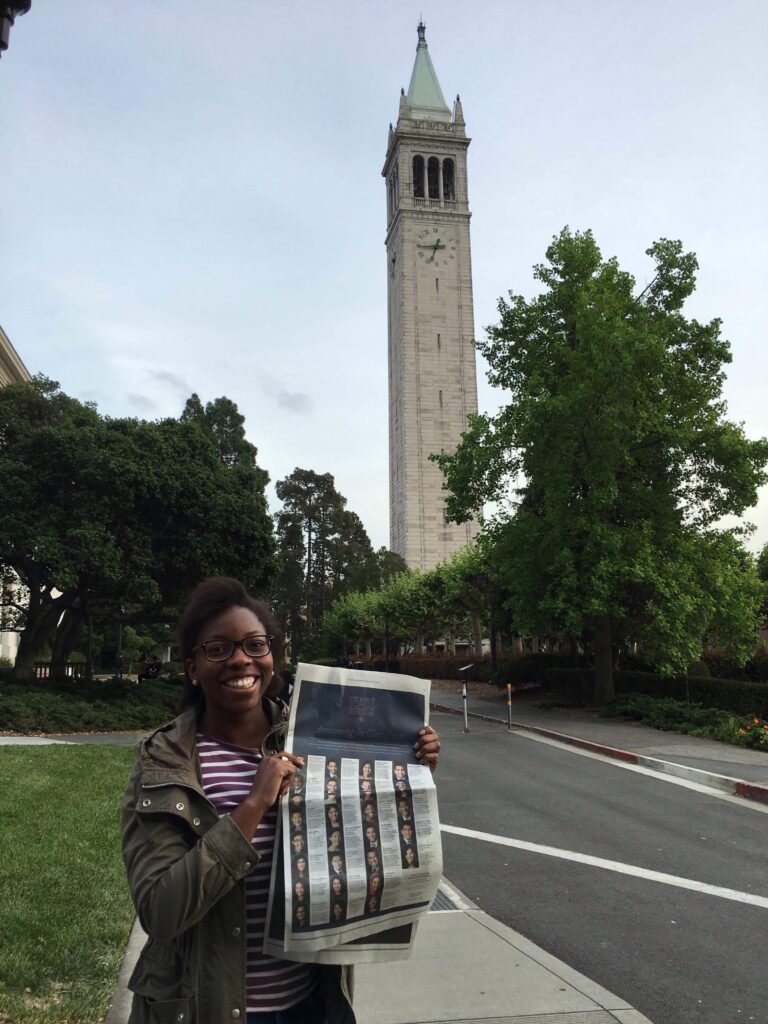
694,719
80,706
736,695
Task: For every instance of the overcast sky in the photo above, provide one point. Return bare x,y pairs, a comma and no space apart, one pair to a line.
192,199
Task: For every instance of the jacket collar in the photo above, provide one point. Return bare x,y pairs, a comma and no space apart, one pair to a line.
168,754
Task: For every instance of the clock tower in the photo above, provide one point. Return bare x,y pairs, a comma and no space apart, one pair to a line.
432,379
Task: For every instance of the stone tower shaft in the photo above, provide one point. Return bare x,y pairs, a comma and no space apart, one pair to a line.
432,376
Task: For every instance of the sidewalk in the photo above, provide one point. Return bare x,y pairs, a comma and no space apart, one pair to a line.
722,766
466,967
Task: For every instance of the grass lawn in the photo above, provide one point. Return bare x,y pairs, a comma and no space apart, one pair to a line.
65,912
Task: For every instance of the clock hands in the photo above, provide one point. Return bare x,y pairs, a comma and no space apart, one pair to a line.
434,247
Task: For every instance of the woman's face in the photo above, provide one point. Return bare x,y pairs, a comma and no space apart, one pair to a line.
233,687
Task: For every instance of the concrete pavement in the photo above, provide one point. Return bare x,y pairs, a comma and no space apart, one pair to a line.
466,967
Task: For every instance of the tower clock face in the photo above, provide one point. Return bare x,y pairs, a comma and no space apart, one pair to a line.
435,247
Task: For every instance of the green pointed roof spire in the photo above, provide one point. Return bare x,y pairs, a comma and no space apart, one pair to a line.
425,97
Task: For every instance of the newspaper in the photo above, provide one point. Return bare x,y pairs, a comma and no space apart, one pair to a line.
359,854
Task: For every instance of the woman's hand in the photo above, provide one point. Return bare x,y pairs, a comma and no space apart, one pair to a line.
427,747
274,775
272,779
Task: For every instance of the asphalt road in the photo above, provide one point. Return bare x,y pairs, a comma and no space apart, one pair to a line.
678,956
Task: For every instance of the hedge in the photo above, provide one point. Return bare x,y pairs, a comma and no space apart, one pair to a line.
50,706
737,695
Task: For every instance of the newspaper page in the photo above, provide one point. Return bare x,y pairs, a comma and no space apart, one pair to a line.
361,857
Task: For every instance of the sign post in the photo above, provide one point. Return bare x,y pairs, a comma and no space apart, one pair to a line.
509,707
464,694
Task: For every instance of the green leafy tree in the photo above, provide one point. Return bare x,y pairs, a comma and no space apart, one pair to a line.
116,514
615,438
321,545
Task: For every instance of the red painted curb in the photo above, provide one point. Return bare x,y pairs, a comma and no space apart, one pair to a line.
752,791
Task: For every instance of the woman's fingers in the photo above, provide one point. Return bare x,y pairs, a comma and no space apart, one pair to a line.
427,747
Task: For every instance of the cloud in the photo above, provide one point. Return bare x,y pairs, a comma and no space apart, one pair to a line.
294,401
142,403
173,380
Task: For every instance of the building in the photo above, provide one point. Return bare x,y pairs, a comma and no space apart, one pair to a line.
12,371
432,376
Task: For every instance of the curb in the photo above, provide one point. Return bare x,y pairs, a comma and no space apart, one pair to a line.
724,783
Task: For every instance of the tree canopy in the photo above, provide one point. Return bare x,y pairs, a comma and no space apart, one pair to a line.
612,459
323,551
119,513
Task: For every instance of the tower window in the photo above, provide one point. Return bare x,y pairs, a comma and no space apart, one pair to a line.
449,180
438,343
418,177
433,177
437,284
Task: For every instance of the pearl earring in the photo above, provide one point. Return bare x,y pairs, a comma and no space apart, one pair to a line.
195,682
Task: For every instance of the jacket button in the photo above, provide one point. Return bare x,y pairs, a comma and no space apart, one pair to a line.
195,821
179,1017
146,803
235,1015
246,867
179,806
236,932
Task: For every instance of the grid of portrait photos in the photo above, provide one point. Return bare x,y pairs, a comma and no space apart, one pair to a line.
299,866
334,831
409,853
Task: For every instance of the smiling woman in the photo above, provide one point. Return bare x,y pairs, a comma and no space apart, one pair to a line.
199,822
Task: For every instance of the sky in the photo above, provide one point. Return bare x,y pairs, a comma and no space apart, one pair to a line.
192,198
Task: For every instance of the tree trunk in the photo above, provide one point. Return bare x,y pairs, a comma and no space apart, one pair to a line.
41,622
420,643
64,640
494,653
477,634
450,642
368,652
604,692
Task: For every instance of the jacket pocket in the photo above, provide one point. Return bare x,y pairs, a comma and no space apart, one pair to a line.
158,976
163,1011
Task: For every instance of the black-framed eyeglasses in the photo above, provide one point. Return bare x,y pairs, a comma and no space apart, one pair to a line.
256,646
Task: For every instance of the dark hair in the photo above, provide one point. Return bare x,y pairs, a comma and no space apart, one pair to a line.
209,599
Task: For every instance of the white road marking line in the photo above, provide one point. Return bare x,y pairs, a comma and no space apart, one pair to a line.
697,787
613,865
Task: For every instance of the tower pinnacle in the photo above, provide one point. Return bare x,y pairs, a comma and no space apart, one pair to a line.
425,97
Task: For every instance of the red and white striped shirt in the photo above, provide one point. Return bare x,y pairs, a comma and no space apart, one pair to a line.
228,773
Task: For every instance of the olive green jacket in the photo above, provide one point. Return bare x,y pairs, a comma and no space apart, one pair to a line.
186,869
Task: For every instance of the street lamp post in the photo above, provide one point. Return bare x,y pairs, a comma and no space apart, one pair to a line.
8,14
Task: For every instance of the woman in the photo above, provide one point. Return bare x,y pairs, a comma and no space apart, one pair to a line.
199,822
